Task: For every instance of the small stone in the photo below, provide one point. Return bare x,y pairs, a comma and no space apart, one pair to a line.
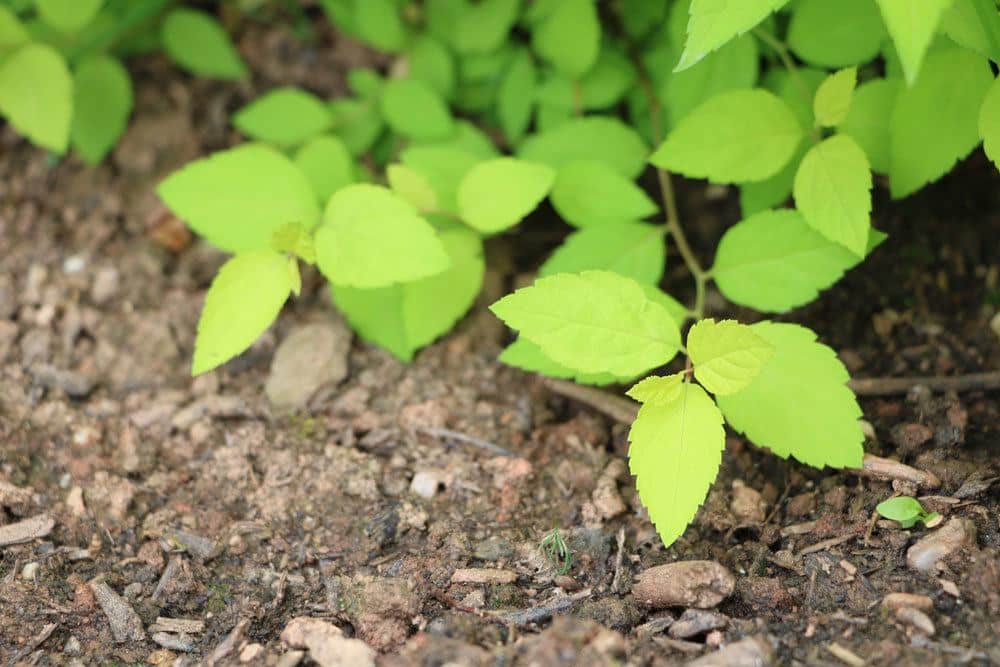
916,619
327,644
950,588
606,498
747,505
476,599
310,357
72,646
481,575
181,643
251,652
425,484
695,622
755,651
125,623
929,550
105,285
200,547
914,600
567,583
695,583
30,571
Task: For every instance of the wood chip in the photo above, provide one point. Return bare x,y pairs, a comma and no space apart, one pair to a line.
479,575
889,470
798,529
846,656
27,530
949,587
826,544
914,600
177,625
916,619
125,623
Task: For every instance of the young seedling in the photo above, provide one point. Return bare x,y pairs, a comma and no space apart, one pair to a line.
907,512
555,549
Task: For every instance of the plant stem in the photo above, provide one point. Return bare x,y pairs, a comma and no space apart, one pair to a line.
786,60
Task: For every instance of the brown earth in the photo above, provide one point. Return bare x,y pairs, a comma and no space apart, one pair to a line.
406,506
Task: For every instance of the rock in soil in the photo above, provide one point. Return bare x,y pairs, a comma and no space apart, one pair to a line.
748,505
696,583
125,623
695,622
310,357
916,619
901,600
750,652
930,549
326,644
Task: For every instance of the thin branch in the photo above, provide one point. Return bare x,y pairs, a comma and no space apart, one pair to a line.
448,434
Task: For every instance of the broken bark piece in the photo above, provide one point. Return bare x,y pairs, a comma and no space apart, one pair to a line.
483,575
125,623
889,470
177,625
27,530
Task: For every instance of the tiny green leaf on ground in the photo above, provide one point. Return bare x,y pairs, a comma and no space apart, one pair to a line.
674,452
244,298
36,95
799,404
497,194
371,237
727,355
593,322
284,117
237,198
198,42
588,193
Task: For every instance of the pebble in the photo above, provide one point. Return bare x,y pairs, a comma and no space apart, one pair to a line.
695,583
200,547
310,357
125,623
914,600
606,498
916,619
482,575
752,651
425,484
30,571
27,530
326,644
930,549
748,505
695,622
72,646
181,643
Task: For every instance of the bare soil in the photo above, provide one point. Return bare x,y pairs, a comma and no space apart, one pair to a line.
194,499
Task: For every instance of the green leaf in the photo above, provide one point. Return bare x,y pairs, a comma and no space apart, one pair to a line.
608,80
497,194
588,193
432,63
797,92
836,34
36,95
328,165
529,357
468,138
516,97
237,198
674,452
735,137
444,169
869,117
833,192
68,15
569,38
197,42
593,322
245,297
599,138
833,99
936,121
102,103
357,122
12,32
974,24
415,110
371,237
677,310
378,22
365,83
727,355
773,261
412,187
715,22
912,24
640,17
658,390
774,191
405,317
799,405
285,117
483,26
989,123
903,509
631,249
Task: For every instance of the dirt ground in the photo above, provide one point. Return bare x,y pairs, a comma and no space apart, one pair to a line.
404,508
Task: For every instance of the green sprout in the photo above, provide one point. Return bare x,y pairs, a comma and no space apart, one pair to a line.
554,547
907,511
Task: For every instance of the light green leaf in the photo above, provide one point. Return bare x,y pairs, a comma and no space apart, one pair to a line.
529,357
631,249
833,192
364,82
674,452
237,198
599,138
658,390
735,137
371,237
869,117
102,102
378,22
799,405
284,117
403,318
797,92
989,123
516,97
433,64
836,34
483,26
773,261
468,138
588,193
497,194
974,24
413,109
774,191
903,509
197,42
677,310
608,80
640,17
727,355
36,95
357,122
593,322
833,99
412,187
715,22
444,169
569,38
244,299
12,32
935,122
68,15
327,164
912,24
